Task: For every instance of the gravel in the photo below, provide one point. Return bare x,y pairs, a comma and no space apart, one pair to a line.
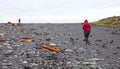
102,53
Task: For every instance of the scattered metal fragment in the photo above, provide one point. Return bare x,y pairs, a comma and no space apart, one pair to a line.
2,41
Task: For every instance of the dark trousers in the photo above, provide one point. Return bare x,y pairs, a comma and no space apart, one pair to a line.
86,35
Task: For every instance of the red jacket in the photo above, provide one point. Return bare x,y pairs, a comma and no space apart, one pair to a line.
86,26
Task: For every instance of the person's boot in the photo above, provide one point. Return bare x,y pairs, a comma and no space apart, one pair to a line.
84,39
87,42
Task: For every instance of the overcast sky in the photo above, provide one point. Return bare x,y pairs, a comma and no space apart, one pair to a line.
57,11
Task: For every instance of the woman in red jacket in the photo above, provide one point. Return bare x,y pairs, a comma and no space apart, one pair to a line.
87,29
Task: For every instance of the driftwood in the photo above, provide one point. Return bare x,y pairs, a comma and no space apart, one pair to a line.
49,47
25,40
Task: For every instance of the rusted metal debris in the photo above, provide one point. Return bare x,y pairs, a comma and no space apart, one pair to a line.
2,41
116,18
14,24
1,27
49,47
25,40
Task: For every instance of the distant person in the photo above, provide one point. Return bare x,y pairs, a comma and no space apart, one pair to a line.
19,20
87,29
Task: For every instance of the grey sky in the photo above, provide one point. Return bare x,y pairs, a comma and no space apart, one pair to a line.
51,11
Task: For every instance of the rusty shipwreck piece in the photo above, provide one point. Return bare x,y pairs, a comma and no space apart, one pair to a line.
25,40
2,41
49,47
14,24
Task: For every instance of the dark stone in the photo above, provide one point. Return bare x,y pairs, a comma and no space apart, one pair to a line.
71,39
111,42
28,55
115,53
118,47
97,44
104,46
90,35
27,67
77,38
98,40
48,39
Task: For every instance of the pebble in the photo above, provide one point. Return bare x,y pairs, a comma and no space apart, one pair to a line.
6,64
1,46
68,50
8,52
89,63
52,44
5,67
24,62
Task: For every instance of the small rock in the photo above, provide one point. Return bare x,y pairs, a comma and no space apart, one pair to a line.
96,59
115,53
98,40
25,62
5,61
6,64
9,47
94,67
68,50
34,64
52,44
118,47
1,46
82,49
6,44
97,44
98,51
27,67
8,52
71,39
111,42
5,67
89,63
48,39
77,38
104,46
